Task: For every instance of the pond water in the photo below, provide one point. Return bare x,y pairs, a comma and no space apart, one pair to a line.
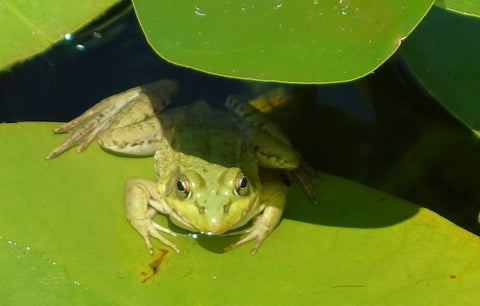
81,70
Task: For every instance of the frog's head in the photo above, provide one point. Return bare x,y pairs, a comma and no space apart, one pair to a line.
211,198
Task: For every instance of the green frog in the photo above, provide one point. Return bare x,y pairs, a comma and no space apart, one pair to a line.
213,167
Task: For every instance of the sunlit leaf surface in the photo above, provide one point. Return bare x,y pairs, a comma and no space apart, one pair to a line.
65,240
290,41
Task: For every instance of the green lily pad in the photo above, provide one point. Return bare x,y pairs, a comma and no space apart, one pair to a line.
467,7
32,279
31,26
64,239
443,52
288,41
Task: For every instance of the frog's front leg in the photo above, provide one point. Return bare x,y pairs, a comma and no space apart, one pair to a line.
141,204
273,196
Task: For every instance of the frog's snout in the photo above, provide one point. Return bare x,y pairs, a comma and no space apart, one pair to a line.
214,226
212,220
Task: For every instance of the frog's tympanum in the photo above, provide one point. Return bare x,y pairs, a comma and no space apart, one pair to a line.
209,164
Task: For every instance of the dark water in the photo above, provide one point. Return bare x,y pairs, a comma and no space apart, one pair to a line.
61,83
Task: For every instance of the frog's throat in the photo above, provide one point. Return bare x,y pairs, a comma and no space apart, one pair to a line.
254,210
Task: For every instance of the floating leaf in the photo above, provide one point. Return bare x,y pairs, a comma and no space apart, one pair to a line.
443,52
467,7
289,41
31,26
356,246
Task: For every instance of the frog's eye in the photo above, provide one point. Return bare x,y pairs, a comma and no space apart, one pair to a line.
183,187
241,184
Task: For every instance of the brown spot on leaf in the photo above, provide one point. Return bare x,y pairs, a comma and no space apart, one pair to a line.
155,265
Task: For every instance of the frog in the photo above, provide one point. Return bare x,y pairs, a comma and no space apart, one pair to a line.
218,171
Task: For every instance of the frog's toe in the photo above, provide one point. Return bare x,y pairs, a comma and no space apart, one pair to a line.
257,244
236,244
148,229
165,241
253,234
236,233
306,176
163,229
149,244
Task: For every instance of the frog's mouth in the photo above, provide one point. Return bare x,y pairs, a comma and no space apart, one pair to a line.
215,226
212,228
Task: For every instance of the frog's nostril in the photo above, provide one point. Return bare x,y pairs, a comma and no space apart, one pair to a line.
202,209
226,208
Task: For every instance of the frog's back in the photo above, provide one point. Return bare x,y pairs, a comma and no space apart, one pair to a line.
210,134
200,114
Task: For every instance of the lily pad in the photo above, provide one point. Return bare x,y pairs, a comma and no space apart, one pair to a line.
288,41
31,26
30,278
467,7
443,52
65,239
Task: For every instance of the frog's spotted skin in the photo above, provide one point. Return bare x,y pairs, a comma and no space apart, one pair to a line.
210,165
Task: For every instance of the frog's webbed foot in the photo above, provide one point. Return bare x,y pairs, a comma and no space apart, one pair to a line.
304,175
147,228
83,129
274,194
140,202
258,232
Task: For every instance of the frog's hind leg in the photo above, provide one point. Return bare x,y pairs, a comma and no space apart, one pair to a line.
135,131
272,147
111,112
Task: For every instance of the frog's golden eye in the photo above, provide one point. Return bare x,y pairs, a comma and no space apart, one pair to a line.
241,184
183,187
